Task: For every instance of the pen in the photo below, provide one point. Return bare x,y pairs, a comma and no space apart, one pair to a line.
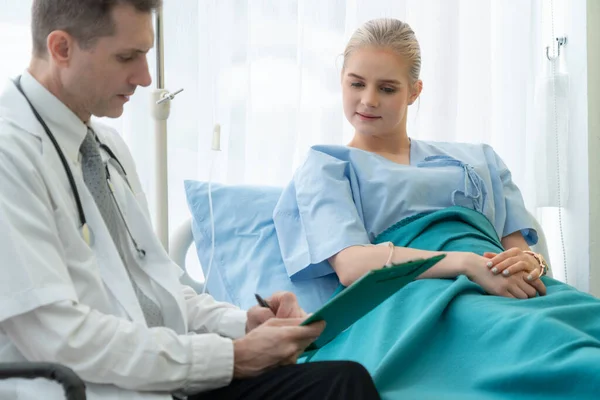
262,302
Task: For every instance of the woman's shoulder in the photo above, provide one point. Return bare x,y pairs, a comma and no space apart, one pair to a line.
339,162
324,154
464,151
321,155
451,146
341,152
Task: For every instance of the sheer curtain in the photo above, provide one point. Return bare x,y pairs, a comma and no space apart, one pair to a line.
15,42
268,71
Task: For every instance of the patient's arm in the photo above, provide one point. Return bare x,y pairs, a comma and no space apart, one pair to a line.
515,239
355,261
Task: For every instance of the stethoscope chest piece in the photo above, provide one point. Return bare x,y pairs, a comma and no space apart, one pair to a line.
87,234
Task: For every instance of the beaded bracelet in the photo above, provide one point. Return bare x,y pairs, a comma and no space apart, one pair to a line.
389,263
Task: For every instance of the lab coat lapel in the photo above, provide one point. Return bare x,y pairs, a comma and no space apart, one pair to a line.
15,109
157,264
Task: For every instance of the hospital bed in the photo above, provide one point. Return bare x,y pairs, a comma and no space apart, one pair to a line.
182,239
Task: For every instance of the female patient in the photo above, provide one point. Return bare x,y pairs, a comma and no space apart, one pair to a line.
387,198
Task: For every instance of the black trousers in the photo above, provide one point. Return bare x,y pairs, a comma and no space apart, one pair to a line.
327,380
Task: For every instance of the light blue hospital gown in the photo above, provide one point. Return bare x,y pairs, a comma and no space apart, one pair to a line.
439,338
342,196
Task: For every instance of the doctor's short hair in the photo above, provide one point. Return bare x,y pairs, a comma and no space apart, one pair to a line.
388,33
85,20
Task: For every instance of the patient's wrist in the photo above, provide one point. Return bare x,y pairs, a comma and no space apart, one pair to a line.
454,264
463,263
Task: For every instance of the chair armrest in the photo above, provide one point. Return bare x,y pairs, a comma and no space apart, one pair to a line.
73,385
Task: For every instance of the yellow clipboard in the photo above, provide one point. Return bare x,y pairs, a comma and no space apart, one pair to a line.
364,295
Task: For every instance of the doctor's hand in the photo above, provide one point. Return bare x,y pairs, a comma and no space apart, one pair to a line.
257,316
282,305
279,341
285,305
515,285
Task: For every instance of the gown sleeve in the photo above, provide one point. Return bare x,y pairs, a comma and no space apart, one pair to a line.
510,214
318,215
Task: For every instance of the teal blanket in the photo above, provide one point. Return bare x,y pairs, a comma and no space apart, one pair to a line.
446,339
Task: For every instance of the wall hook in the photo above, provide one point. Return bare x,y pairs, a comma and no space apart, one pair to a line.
560,41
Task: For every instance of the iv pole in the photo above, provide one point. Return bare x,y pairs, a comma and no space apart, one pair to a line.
161,107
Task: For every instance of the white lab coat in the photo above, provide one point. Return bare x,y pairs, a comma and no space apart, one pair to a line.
64,301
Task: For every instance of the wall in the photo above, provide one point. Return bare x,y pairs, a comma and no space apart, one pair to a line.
593,106
575,218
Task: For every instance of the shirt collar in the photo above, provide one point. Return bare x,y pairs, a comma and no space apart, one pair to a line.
68,130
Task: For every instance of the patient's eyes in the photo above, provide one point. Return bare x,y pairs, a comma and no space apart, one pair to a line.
384,89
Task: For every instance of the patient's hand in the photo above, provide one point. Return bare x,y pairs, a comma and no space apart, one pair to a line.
514,260
515,285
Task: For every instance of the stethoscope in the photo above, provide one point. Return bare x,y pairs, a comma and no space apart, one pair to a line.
85,230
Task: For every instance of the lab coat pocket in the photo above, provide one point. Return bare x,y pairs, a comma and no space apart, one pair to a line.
79,257
70,234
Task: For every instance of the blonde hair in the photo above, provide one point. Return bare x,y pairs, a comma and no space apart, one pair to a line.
391,34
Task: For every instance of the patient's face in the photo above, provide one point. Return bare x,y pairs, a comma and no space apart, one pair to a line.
376,91
100,79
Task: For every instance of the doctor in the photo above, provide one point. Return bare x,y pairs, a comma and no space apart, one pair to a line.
84,282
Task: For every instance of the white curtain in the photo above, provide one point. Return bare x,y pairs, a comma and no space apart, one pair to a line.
268,71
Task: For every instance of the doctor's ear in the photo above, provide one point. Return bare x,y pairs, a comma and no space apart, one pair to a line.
60,47
417,88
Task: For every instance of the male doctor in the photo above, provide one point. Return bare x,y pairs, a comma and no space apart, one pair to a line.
84,281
